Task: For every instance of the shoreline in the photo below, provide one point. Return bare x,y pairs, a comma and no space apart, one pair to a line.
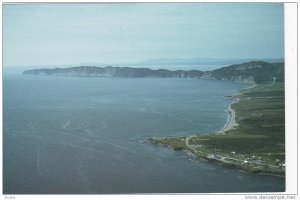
204,157
198,149
231,121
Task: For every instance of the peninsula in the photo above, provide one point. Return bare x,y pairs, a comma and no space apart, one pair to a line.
253,140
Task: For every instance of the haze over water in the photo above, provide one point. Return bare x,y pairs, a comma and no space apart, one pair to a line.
89,135
64,34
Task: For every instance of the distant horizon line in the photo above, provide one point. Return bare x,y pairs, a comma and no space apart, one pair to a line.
176,61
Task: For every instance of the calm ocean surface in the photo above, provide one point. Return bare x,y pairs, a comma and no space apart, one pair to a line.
83,136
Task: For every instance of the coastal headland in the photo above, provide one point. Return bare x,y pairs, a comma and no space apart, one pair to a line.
252,139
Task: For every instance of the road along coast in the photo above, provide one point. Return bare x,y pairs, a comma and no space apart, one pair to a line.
245,142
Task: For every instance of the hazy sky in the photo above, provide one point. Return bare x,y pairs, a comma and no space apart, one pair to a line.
53,34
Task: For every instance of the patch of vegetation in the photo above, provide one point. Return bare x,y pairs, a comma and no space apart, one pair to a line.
260,113
257,144
177,143
261,72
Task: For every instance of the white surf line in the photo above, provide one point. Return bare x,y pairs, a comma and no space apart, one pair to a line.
38,161
231,113
231,122
227,123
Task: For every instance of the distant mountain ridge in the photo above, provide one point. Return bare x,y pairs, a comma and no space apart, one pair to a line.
250,72
205,61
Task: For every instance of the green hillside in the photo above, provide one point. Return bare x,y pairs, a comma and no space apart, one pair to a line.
256,145
260,71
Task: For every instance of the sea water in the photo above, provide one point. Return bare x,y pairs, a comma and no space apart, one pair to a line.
88,135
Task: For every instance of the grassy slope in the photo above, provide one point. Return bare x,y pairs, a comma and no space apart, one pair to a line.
261,132
260,115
